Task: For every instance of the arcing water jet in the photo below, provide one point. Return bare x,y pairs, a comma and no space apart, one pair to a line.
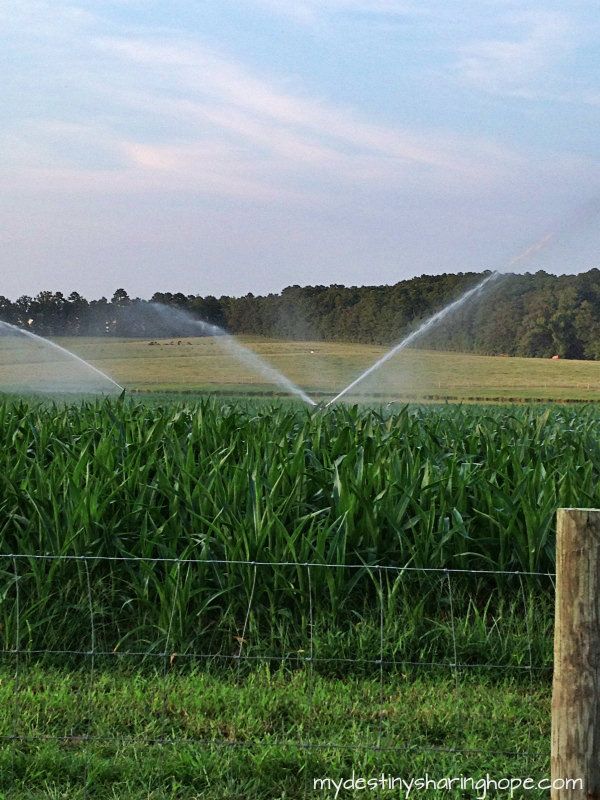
436,318
534,248
241,353
14,330
416,334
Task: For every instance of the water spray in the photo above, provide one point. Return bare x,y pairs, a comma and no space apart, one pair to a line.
422,329
241,353
436,318
534,248
62,350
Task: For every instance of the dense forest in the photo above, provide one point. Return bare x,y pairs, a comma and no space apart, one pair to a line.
529,315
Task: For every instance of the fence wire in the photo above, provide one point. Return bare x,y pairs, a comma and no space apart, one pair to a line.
88,596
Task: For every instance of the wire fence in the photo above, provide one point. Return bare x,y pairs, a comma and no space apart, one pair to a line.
165,617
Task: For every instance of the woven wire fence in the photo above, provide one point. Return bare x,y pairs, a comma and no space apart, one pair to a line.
97,614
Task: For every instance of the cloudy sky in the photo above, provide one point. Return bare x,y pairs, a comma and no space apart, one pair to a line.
228,146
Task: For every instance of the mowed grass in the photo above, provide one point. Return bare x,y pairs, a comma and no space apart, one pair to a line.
326,368
202,365
268,734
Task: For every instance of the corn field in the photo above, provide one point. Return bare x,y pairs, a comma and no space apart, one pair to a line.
223,486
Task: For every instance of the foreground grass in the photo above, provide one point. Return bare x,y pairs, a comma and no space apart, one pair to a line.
259,735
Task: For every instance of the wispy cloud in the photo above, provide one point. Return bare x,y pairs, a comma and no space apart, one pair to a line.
210,90
139,132
215,126
514,66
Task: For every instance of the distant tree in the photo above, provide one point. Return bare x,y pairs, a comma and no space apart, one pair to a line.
531,315
100,320
7,310
120,298
208,309
73,314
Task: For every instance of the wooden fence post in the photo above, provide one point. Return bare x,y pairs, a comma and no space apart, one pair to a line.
576,684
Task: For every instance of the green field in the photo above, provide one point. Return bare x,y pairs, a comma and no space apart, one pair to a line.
440,486
202,365
228,662
152,733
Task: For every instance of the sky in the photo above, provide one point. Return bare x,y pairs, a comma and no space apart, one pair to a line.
235,146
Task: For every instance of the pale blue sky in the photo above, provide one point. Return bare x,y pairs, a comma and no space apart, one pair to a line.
244,145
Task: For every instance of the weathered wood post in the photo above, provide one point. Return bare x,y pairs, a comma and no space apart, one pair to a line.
576,684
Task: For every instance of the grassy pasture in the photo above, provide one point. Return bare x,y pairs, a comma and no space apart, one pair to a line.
201,365
325,368
152,731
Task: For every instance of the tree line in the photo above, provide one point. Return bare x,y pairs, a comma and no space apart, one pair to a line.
526,315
